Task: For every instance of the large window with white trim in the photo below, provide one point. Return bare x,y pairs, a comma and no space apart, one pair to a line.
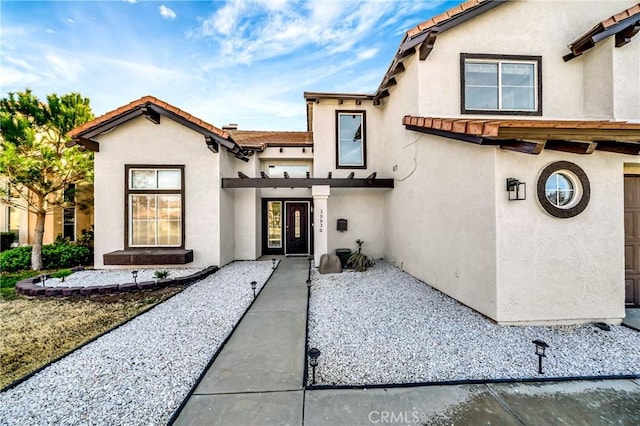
504,84
155,206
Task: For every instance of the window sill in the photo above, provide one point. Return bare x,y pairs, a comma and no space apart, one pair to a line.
148,257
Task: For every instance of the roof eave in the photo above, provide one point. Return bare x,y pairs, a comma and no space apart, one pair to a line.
411,44
630,26
153,111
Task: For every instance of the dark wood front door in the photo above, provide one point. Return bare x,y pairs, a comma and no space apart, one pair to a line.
632,240
297,228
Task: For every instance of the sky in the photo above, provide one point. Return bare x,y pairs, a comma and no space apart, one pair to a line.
235,61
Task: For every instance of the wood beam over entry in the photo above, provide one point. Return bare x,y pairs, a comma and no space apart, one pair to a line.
305,183
629,148
526,147
575,147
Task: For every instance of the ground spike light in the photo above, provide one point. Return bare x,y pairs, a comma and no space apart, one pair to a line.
541,347
313,354
273,263
135,276
253,287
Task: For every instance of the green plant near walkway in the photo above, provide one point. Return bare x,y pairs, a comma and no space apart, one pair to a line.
358,260
161,275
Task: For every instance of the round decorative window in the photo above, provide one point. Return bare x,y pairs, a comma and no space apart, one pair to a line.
563,189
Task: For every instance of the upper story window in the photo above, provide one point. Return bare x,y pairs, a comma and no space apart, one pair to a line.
155,206
351,146
294,171
501,84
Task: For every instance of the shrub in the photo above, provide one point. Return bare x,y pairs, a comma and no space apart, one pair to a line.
58,256
86,237
16,259
161,275
359,261
54,256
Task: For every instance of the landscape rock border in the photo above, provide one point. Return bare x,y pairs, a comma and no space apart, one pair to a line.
28,287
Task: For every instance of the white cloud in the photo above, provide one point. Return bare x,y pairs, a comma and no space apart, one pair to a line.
50,31
252,30
21,63
71,21
131,1
367,53
167,13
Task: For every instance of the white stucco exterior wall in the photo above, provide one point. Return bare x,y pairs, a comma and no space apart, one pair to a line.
598,81
441,221
626,81
227,209
139,141
364,211
560,269
537,28
324,136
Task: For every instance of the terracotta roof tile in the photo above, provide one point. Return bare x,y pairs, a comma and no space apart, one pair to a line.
78,131
259,139
492,127
448,14
607,23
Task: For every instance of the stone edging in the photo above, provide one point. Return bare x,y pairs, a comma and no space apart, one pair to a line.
28,287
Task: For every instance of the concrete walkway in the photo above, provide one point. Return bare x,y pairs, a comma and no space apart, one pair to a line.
632,318
258,376
257,379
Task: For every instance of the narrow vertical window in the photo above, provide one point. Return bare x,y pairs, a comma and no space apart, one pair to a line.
274,211
69,213
296,224
351,139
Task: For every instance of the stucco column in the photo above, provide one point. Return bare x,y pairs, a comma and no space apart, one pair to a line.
320,195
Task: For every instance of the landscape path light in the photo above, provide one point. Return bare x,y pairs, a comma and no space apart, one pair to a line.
541,347
135,276
273,263
313,354
253,287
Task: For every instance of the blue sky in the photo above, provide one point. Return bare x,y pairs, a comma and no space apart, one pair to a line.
245,62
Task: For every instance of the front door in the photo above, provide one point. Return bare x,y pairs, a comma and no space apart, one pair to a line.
632,240
297,228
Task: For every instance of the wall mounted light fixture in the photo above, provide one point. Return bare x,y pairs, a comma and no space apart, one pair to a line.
517,190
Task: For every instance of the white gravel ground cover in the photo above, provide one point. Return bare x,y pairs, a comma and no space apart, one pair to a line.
100,277
384,326
139,373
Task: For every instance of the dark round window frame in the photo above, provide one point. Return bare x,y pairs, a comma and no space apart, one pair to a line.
559,166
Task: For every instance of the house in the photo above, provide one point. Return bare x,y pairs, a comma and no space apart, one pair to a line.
493,162
67,222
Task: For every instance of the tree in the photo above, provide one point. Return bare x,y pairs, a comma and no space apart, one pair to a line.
35,162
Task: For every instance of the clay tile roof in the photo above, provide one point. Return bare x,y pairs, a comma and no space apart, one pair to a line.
105,118
448,14
426,31
633,10
258,139
602,30
497,128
